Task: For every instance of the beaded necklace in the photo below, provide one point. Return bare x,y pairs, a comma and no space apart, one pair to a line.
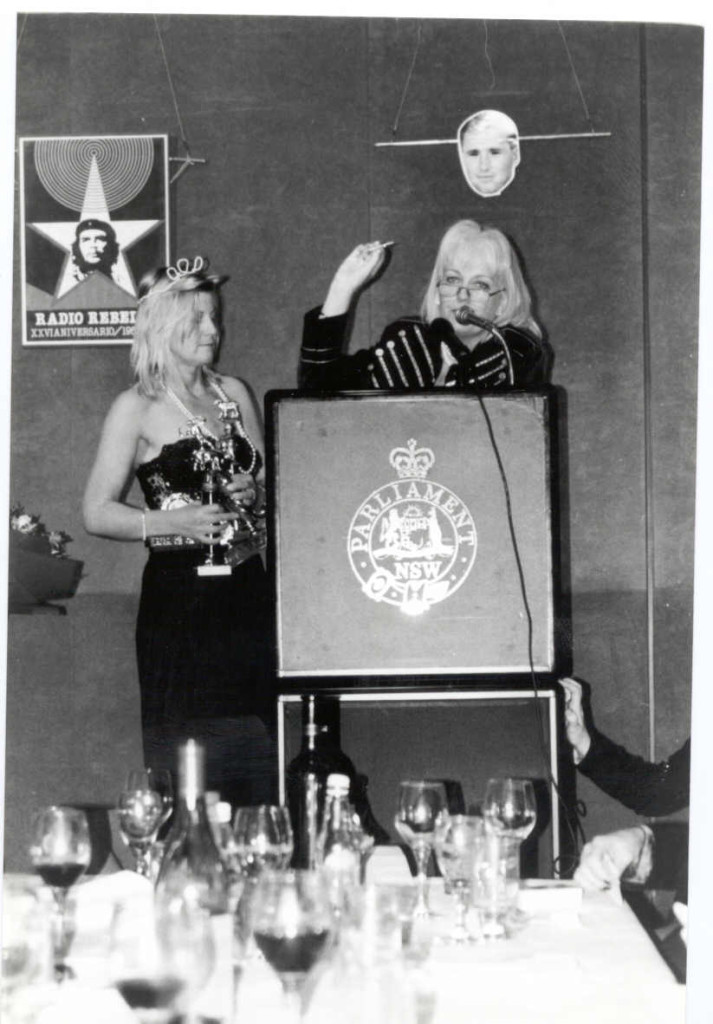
197,424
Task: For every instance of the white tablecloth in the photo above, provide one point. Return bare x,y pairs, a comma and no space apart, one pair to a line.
588,967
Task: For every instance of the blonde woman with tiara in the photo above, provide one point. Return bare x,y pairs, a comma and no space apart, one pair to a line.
476,327
202,640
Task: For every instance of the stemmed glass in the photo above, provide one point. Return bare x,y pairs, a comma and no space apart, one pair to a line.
263,839
160,780
141,811
292,923
509,807
456,852
160,955
422,807
60,852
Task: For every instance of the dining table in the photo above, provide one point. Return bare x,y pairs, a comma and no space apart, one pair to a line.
574,957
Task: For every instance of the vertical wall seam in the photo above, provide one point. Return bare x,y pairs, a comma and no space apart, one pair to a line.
648,425
369,177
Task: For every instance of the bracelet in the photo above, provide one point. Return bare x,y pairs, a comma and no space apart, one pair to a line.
143,526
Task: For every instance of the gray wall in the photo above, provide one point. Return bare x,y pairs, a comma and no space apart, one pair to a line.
286,111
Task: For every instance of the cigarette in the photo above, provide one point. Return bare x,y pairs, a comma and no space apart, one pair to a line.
379,245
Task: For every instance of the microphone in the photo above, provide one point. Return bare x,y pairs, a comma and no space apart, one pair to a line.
466,316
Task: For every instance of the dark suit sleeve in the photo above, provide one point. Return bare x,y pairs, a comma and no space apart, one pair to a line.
322,362
646,787
531,358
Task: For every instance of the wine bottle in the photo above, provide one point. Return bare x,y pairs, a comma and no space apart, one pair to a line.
306,778
192,864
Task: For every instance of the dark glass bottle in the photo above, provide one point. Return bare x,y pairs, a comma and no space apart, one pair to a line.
306,780
192,863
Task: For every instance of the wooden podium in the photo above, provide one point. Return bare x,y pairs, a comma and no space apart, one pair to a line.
413,554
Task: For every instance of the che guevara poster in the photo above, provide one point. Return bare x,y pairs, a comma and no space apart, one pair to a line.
95,218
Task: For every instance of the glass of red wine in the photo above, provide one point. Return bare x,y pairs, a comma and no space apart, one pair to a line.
292,924
60,851
161,954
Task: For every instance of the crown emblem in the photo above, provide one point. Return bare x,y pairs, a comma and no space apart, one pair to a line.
412,461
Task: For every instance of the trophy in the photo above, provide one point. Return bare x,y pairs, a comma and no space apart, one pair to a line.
208,461
249,530
217,462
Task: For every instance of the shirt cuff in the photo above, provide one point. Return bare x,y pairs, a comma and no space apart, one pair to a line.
639,871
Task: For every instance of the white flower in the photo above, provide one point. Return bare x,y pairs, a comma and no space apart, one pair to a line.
24,523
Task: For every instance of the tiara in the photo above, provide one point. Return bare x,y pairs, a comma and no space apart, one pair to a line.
182,270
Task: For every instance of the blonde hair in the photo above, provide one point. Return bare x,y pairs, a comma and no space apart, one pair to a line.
167,307
516,306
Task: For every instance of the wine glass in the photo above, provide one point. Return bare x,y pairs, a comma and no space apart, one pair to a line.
263,839
161,780
422,806
292,925
456,851
141,811
60,851
509,807
161,953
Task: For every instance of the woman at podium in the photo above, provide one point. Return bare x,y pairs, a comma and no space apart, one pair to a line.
476,328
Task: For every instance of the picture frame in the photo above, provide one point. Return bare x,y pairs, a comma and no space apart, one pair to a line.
94,219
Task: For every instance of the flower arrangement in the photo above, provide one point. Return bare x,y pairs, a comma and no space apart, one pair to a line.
34,535
40,570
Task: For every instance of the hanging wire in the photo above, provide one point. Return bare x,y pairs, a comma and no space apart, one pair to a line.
591,134
395,126
486,54
187,160
576,78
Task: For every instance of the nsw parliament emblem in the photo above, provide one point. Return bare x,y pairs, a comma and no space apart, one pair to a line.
412,542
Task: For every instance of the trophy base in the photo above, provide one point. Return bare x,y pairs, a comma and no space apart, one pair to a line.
214,570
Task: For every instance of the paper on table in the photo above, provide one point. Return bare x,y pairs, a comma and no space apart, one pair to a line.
547,895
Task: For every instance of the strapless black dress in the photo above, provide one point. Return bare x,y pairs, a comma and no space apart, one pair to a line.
203,642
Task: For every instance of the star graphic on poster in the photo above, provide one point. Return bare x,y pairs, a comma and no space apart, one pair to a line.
95,220
63,235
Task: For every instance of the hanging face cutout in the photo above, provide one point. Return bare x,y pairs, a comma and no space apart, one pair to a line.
489,151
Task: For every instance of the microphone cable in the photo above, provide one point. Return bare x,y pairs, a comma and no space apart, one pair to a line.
578,831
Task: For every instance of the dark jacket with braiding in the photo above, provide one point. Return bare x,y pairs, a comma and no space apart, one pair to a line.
413,354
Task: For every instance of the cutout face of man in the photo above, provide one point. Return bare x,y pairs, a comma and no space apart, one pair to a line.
489,151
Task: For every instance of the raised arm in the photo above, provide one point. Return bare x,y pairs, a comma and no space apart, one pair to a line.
354,273
323,363
647,787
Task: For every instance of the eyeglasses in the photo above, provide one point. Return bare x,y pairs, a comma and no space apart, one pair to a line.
451,285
